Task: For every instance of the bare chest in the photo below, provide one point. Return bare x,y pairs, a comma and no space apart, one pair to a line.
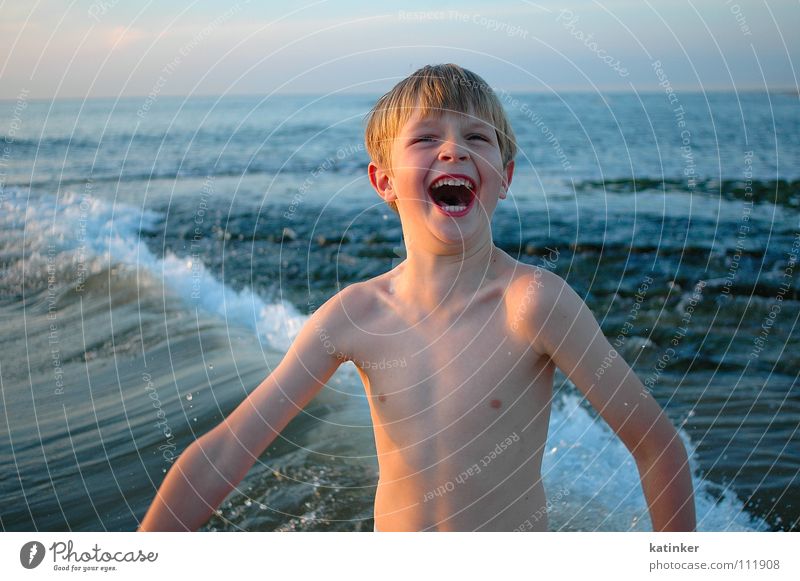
436,385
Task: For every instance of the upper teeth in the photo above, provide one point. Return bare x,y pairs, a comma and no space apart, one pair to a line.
452,182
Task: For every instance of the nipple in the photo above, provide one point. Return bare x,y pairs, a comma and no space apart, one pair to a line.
381,397
495,403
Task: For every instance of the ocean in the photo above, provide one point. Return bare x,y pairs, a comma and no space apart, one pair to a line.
159,255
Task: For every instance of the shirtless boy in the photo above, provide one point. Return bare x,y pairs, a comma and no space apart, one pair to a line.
481,334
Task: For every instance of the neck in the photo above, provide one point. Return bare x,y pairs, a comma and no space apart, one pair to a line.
430,278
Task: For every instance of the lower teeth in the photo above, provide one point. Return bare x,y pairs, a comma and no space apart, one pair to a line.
454,208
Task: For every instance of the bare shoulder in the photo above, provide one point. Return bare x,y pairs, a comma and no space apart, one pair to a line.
361,299
340,319
351,302
539,302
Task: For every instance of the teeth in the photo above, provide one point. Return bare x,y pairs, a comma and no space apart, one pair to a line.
454,208
452,182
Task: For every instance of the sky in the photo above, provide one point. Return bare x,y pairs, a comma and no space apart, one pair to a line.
112,48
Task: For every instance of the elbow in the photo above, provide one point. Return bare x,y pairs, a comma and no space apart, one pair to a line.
663,449
224,459
663,442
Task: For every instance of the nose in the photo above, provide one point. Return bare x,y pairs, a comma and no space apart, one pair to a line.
450,150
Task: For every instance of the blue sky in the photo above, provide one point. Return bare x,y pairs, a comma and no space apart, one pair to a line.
103,48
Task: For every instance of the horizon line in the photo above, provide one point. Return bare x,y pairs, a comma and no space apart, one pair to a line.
603,91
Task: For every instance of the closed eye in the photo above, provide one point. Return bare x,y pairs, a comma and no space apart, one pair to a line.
433,138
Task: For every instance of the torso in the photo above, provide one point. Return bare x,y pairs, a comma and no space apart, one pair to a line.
460,402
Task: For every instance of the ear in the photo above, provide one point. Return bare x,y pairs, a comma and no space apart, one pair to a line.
382,182
509,174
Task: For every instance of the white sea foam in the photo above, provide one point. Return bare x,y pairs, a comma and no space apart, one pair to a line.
79,230
586,460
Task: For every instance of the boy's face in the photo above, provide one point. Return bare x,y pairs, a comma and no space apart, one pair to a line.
446,177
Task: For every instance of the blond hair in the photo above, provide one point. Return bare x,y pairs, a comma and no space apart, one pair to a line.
432,90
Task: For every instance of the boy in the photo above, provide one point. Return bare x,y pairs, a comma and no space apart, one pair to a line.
481,334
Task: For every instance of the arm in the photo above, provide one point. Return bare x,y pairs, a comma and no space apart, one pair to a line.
565,329
215,463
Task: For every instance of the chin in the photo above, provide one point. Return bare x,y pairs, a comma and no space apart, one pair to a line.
458,232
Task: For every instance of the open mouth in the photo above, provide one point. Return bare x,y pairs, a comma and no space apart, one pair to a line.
453,195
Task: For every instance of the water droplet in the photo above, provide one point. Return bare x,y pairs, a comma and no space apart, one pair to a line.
194,419
262,506
211,366
188,397
248,502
